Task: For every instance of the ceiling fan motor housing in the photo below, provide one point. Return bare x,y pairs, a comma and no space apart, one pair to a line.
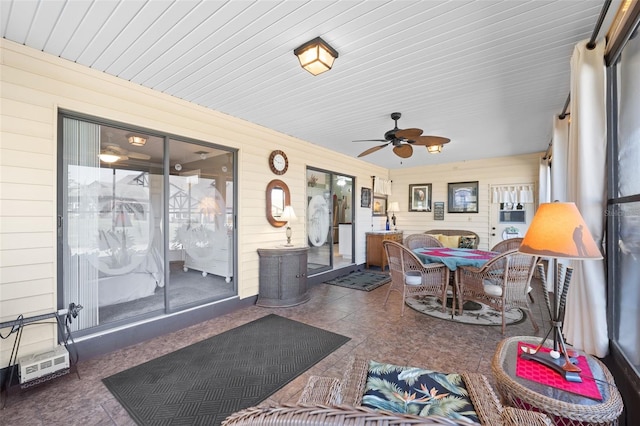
391,134
402,139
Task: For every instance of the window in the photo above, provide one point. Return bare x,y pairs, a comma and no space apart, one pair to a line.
623,212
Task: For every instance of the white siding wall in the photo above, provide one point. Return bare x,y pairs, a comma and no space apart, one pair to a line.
34,86
504,170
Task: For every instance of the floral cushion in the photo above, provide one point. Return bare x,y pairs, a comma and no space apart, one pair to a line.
467,242
417,391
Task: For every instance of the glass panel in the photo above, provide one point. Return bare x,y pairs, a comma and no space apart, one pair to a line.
343,218
319,209
200,224
626,300
627,290
113,263
628,125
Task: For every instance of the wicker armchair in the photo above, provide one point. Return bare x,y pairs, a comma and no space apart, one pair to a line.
404,265
506,245
502,283
321,415
415,241
348,392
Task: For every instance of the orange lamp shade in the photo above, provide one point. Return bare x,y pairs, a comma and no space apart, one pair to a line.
558,230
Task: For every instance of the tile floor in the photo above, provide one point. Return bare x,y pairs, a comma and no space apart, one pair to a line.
375,331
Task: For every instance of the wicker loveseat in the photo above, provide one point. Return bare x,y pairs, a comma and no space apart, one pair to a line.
332,401
454,233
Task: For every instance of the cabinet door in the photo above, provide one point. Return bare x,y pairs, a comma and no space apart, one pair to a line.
270,280
290,271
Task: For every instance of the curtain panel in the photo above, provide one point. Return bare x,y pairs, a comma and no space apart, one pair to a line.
585,324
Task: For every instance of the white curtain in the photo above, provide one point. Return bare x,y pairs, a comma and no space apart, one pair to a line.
381,186
559,155
544,177
585,324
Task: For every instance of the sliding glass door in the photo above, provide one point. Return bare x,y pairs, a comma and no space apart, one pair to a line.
142,232
329,220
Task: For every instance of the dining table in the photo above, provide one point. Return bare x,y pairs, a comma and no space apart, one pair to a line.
452,258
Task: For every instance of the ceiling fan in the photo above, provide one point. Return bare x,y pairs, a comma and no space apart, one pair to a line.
402,139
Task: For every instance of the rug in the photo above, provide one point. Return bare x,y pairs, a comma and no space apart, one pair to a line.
205,382
361,280
476,313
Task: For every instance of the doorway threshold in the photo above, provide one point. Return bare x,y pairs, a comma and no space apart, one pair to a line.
334,273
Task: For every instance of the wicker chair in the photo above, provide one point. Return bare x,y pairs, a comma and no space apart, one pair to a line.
322,415
404,265
506,245
502,283
332,401
348,392
511,244
415,241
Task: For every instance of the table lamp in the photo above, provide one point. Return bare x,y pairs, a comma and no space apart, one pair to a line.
393,208
558,231
288,215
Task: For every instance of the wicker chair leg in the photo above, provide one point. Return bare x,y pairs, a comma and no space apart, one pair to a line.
533,320
404,295
388,293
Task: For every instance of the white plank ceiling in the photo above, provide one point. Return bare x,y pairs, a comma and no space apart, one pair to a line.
488,74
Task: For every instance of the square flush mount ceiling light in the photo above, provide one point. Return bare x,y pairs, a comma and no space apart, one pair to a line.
316,56
434,149
136,140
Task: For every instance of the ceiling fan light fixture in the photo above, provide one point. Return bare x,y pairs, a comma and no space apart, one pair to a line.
316,56
108,157
136,140
434,149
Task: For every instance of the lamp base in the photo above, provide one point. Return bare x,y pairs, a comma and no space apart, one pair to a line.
555,364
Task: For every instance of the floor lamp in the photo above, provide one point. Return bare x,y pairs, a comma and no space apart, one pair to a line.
558,231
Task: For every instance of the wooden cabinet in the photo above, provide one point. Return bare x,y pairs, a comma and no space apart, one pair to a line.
375,252
283,276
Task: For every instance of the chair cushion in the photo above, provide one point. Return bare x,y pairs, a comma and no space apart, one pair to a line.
467,242
492,289
450,241
413,278
417,391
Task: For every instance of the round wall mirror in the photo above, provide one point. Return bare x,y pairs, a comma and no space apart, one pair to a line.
277,198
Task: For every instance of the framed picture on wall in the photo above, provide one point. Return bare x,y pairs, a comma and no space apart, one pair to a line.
438,210
379,205
463,197
420,197
365,197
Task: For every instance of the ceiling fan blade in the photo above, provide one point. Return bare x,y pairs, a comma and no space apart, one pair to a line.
372,150
430,140
404,150
408,133
370,140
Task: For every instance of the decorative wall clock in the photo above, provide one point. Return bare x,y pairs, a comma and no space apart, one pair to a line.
278,162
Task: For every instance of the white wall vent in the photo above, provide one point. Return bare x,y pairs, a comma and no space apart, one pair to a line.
37,365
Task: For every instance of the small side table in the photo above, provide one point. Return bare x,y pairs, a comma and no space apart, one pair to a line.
564,408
